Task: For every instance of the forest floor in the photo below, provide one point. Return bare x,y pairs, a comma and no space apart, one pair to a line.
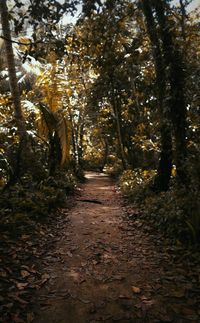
100,266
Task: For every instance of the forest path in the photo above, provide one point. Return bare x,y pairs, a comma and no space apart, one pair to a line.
104,268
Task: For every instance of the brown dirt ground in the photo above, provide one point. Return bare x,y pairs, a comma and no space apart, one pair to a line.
105,268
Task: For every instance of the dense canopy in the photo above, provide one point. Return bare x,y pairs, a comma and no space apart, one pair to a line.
101,85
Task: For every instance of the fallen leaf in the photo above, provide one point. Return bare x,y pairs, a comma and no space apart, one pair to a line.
25,236
21,286
136,290
45,276
124,296
69,254
3,274
149,302
25,273
29,317
84,263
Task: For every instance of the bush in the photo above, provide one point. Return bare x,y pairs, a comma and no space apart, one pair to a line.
175,212
24,202
134,183
113,166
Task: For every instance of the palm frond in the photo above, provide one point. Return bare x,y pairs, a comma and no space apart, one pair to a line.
49,117
63,134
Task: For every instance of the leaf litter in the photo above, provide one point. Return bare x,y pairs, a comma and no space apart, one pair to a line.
120,269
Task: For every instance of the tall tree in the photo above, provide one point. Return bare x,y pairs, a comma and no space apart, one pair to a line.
175,67
165,163
19,118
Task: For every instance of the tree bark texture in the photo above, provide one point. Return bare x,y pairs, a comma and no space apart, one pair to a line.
23,149
80,144
175,68
73,138
105,156
118,125
165,163
20,122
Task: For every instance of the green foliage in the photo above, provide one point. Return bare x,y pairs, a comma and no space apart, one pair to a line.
100,108
114,166
176,212
23,203
64,180
135,182
93,159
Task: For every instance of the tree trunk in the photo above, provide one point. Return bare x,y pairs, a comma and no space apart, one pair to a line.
174,65
164,170
121,145
105,157
80,145
20,122
55,154
19,119
183,18
118,124
162,179
74,143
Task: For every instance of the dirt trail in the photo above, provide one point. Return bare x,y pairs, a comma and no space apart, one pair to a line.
103,269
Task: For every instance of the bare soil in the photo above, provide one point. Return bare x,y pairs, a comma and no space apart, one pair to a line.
106,268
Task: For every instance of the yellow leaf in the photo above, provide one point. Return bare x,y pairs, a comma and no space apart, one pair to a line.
136,290
25,273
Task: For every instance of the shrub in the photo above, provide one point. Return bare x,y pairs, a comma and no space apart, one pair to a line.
175,212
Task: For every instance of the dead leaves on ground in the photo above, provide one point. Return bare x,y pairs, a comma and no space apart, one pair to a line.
20,275
174,295
17,286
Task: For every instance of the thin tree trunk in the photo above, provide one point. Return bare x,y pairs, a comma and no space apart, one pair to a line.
123,157
183,18
80,145
165,163
118,124
55,154
74,143
105,157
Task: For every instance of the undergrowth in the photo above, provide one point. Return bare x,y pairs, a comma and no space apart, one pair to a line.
25,203
175,212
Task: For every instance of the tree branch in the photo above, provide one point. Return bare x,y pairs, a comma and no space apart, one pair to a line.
27,44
